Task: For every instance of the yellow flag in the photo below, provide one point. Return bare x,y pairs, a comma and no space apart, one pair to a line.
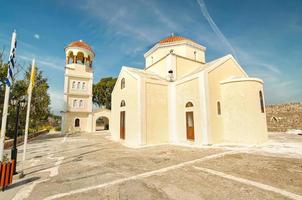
32,78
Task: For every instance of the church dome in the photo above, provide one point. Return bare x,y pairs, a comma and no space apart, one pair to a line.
81,44
173,38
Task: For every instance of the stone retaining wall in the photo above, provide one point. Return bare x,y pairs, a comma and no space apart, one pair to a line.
283,117
9,143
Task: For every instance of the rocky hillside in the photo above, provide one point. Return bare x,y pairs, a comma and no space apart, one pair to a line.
283,117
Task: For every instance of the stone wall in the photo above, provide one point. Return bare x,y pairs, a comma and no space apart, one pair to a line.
283,117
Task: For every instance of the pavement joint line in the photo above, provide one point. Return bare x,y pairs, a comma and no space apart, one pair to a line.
251,183
139,176
54,171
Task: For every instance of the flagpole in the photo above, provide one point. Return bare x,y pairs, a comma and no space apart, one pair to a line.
30,89
5,105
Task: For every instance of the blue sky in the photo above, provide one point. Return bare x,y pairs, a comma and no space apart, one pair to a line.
264,35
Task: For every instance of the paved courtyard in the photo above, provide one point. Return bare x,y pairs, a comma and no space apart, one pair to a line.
91,166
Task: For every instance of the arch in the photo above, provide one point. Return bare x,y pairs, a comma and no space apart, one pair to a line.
80,58
79,85
70,56
77,122
102,123
189,104
101,119
88,61
73,84
218,108
83,86
123,103
261,101
123,83
75,103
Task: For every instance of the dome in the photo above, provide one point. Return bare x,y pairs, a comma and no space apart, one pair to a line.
173,38
80,44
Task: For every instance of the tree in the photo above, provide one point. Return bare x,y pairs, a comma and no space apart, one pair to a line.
39,103
102,92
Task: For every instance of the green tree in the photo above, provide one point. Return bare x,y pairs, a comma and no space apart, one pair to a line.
102,92
39,103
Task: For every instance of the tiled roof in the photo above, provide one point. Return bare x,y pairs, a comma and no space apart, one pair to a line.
172,38
81,44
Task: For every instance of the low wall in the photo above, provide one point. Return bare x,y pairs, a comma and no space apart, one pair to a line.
9,143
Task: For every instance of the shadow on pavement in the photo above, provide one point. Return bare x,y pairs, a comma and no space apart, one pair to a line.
22,182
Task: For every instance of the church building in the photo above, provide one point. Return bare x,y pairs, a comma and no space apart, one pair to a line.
177,98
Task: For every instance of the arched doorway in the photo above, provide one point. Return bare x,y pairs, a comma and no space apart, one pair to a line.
77,122
102,123
190,121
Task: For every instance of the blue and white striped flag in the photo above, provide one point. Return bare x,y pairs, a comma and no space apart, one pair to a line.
11,62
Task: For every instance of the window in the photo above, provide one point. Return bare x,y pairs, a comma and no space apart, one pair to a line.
78,86
81,103
77,122
123,104
73,85
218,108
261,101
83,85
123,83
195,55
189,104
75,103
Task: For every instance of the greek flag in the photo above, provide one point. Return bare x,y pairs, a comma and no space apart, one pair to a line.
11,62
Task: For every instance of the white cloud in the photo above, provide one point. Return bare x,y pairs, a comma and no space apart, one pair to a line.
42,62
37,36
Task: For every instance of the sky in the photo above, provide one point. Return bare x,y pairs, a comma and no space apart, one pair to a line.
265,36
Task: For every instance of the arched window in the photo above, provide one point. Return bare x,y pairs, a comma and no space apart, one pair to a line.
123,83
77,122
70,57
123,104
73,85
81,103
88,61
75,103
79,85
218,108
189,104
83,85
195,55
261,101
80,58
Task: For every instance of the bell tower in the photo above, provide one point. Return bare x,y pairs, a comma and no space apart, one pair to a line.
77,113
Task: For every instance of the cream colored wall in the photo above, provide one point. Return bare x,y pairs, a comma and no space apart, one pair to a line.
185,66
159,68
182,48
163,51
69,122
188,91
156,113
243,120
82,73
130,95
224,71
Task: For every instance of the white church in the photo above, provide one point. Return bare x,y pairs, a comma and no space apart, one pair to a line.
177,98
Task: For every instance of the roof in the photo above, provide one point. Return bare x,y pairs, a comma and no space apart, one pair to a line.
145,74
173,38
81,44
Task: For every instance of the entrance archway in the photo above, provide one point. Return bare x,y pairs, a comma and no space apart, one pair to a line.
102,123
101,119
